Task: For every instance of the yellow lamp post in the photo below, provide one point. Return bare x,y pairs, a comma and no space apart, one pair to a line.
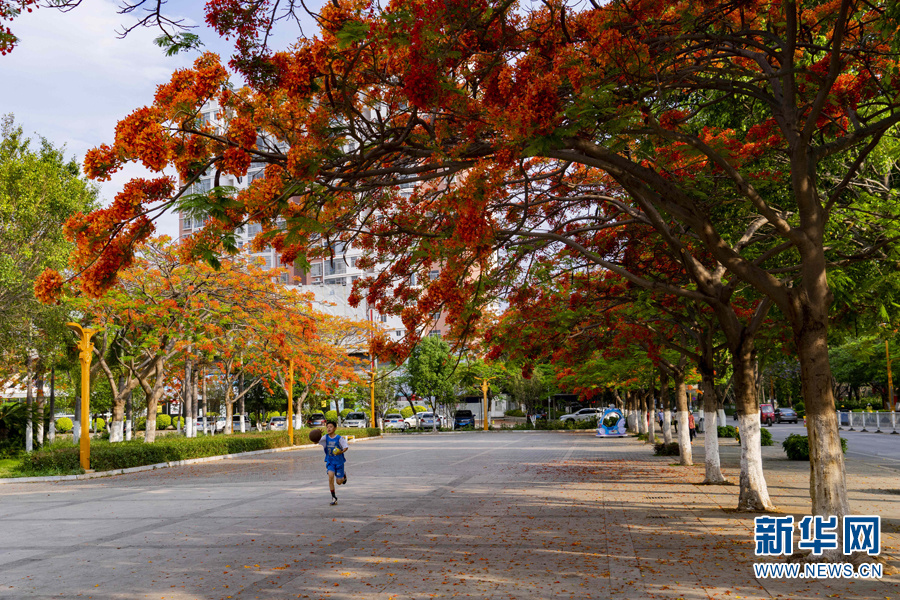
86,353
484,390
290,395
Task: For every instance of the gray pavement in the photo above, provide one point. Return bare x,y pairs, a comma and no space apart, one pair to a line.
876,448
482,515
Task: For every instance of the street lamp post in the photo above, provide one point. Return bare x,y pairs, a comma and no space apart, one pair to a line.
484,390
86,352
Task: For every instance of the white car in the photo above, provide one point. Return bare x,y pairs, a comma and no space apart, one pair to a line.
395,421
356,419
585,414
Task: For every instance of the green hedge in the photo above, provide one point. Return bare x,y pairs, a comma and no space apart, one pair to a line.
64,425
63,458
346,412
99,424
727,431
163,422
331,415
797,446
663,449
514,412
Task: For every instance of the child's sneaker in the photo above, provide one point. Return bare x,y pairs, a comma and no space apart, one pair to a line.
333,501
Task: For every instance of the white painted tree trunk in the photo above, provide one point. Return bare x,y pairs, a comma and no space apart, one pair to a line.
117,431
631,421
667,426
129,428
754,494
684,439
722,418
711,447
642,422
244,425
651,426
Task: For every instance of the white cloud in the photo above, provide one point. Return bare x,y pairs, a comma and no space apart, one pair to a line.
71,79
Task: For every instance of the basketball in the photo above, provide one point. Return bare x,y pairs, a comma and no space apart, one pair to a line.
315,435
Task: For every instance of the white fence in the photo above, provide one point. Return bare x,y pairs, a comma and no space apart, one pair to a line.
877,422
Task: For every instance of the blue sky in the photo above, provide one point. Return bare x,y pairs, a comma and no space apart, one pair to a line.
71,78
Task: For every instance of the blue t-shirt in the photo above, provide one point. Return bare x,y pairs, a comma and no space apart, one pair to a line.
331,443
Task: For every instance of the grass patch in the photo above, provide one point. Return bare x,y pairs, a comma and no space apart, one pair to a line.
62,458
9,467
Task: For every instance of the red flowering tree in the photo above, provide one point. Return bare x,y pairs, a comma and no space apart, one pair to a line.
741,127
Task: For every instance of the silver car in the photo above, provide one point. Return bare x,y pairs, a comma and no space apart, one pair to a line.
277,424
585,414
356,419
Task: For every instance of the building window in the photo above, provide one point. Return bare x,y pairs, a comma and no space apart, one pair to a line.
399,333
434,275
435,333
253,229
384,318
316,269
412,279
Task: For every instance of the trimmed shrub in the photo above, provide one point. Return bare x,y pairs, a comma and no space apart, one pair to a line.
346,412
801,409
163,422
765,436
99,424
140,424
63,459
797,446
331,415
64,425
271,414
727,431
406,412
514,412
178,422
664,449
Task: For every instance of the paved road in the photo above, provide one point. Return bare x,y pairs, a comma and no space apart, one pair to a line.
881,449
517,515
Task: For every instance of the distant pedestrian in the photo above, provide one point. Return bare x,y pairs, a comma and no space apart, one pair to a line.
335,448
659,417
692,426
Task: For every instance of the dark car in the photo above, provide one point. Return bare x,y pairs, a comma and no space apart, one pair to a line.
463,418
766,414
316,420
786,415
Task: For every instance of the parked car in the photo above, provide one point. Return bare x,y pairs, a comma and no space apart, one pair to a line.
395,421
766,414
463,418
413,421
428,420
356,419
235,423
277,424
585,414
786,415
316,420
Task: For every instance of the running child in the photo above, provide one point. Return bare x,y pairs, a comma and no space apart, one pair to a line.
335,448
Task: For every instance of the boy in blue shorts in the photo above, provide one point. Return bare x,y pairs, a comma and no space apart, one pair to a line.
335,448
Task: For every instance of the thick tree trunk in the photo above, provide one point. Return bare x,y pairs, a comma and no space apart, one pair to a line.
710,421
754,494
651,422
117,428
129,416
666,406
631,414
152,404
642,413
827,484
684,435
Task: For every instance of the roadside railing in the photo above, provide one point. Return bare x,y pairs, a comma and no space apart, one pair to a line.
875,422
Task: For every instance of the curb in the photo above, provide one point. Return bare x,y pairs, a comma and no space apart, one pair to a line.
174,463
